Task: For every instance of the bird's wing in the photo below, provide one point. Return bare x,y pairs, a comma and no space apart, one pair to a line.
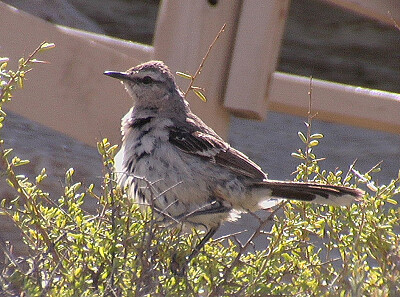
211,147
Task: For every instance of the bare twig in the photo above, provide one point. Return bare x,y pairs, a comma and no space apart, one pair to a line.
394,21
350,168
310,117
374,167
222,238
198,71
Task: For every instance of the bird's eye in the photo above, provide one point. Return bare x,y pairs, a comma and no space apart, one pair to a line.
147,80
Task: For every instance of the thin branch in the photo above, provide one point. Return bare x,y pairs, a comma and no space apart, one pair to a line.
198,71
351,168
374,167
222,238
394,21
21,67
308,124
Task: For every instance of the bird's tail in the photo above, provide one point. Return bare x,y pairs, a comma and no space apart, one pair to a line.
265,192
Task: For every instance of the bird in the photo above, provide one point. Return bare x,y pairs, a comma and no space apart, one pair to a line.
170,159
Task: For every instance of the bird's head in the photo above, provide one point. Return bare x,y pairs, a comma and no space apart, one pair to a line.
150,84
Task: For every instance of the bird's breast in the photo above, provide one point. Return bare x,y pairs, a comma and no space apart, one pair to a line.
142,136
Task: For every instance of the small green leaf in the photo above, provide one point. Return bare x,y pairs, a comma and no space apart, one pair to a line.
302,137
70,172
101,251
200,95
100,148
313,143
3,63
184,75
297,155
317,136
9,182
90,188
78,271
41,176
46,46
20,82
372,187
18,162
39,61
377,169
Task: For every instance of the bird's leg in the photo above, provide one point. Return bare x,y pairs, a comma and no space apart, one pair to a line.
179,269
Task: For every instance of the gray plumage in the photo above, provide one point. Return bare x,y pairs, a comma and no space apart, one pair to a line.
196,177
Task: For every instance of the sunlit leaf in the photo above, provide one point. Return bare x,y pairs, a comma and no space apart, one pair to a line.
302,137
200,95
46,46
39,61
184,75
317,136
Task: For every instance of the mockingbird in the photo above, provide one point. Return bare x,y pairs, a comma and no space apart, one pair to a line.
172,160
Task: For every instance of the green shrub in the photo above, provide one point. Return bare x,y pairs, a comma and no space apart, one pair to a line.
118,250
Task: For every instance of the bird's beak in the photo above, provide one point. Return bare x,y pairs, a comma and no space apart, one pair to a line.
118,75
